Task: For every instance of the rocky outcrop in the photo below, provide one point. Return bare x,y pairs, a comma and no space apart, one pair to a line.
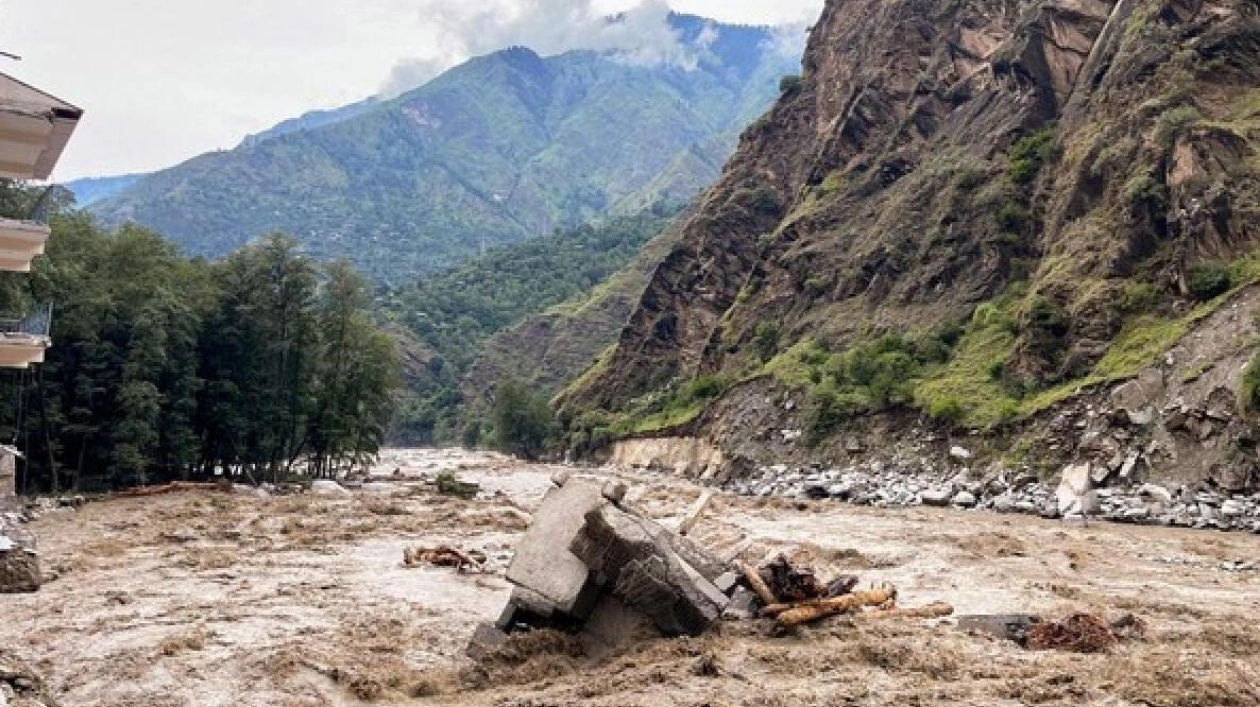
1080,158
686,456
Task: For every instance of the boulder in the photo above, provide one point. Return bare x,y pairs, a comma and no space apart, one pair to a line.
1074,485
328,487
1155,493
936,497
19,568
1139,395
964,499
959,453
1233,509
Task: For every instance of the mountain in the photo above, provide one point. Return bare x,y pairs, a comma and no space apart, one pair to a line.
90,190
450,321
505,147
1034,225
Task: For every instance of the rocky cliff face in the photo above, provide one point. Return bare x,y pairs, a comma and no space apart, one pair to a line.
1076,170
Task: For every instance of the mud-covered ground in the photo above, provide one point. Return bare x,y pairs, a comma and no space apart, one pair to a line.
205,598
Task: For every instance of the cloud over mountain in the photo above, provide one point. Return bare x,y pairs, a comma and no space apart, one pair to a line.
640,35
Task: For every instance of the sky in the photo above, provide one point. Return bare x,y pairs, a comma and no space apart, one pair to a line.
165,80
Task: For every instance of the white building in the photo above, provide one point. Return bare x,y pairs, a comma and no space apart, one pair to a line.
34,130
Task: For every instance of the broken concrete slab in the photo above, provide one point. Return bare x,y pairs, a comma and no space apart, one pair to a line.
635,559
543,562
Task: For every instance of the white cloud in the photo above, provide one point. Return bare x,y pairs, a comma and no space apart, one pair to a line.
640,34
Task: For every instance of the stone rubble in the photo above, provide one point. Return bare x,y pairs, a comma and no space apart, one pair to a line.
887,485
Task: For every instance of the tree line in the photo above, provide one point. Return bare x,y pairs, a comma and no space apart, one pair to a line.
164,367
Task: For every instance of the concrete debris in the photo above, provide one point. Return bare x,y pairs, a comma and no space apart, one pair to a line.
590,565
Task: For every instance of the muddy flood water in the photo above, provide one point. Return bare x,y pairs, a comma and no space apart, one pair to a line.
206,598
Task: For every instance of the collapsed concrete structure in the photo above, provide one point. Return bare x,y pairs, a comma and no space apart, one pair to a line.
590,563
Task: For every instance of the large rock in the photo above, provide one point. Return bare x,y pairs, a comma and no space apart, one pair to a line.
1074,492
1138,397
327,487
936,497
19,568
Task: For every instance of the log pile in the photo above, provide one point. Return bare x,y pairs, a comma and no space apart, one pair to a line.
793,596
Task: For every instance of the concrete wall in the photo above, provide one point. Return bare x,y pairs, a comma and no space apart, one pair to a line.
8,475
687,456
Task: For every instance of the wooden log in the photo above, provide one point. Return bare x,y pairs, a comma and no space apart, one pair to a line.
758,584
736,550
696,513
934,610
822,608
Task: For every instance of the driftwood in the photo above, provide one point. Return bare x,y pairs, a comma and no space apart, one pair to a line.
175,487
805,612
445,556
935,610
695,514
758,584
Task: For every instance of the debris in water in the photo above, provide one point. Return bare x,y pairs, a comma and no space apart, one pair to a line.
1084,633
445,556
590,564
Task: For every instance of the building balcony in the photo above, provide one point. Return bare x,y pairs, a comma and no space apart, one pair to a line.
34,130
24,341
20,242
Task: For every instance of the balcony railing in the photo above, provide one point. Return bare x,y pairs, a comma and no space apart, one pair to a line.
37,324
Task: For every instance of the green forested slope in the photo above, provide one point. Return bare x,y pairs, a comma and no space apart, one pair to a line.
448,318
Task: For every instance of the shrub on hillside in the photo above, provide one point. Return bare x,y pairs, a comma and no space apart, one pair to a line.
1208,280
766,340
1030,153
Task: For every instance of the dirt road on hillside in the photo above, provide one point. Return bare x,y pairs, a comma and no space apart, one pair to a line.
207,599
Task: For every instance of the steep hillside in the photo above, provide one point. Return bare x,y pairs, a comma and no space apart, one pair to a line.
503,148
552,347
968,213
443,322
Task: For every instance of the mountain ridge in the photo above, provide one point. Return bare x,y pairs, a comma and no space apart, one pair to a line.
502,148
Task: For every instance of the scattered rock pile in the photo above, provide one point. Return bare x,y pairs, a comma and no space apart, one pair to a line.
1087,489
20,686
